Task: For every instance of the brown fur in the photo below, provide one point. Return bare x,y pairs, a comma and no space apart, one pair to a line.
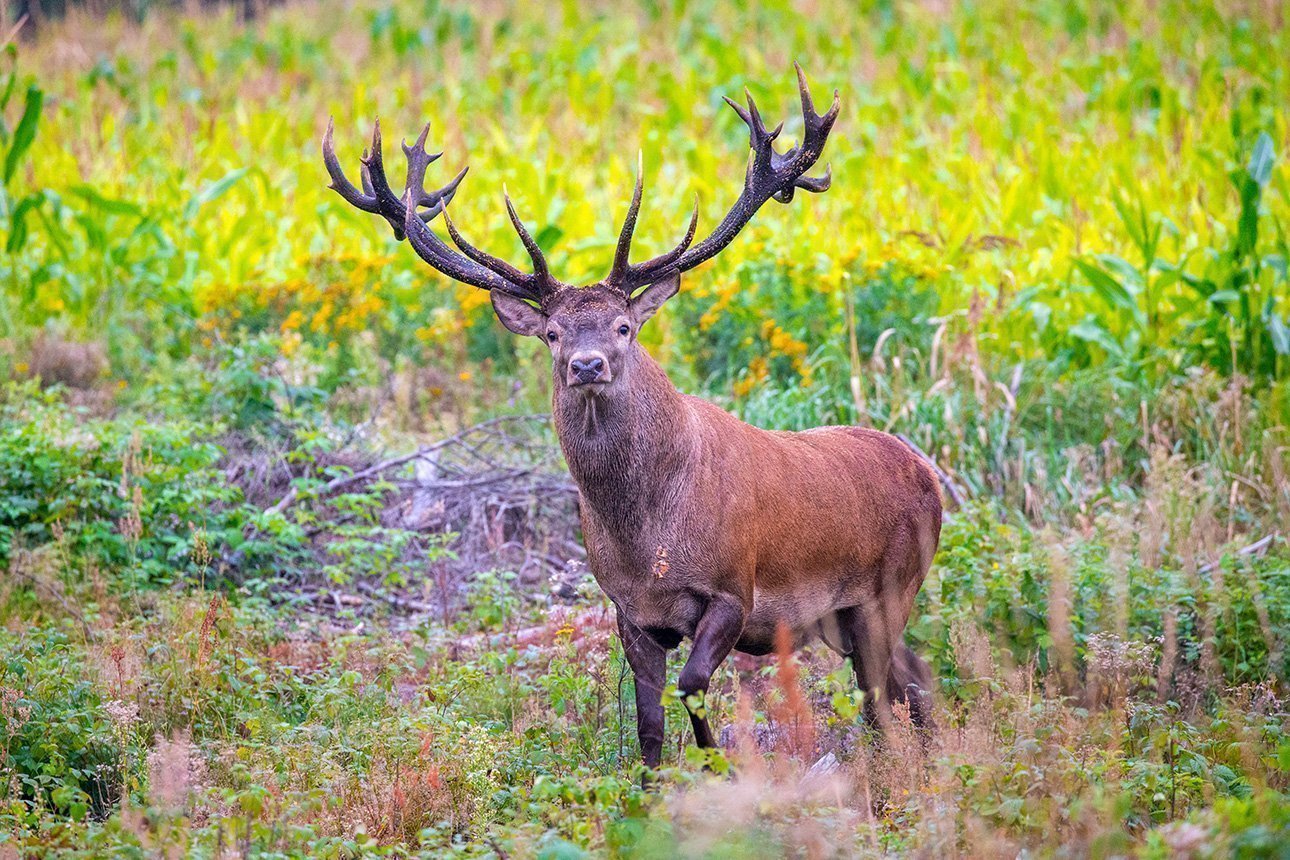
699,526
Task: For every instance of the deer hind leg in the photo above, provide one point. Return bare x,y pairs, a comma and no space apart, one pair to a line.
871,656
909,680
719,629
887,670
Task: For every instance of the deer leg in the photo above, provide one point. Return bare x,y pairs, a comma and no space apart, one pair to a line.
910,681
719,629
871,653
648,660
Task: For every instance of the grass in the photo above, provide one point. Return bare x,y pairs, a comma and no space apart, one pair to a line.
1054,257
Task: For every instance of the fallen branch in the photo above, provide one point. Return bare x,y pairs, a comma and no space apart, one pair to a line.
343,481
1255,548
462,440
396,601
581,622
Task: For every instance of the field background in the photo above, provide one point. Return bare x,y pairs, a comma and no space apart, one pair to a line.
238,620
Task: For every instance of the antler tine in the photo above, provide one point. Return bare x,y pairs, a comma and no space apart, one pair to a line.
389,206
418,160
432,249
763,134
540,270
420,147
664,260
652,271
622,254
769,174
501,267
813,184
628,277
401,212
366,175
339,182
816,126
443,196
759,136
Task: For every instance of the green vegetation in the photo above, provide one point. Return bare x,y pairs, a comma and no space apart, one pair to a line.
1054,258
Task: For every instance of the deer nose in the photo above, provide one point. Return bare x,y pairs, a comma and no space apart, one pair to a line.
586,368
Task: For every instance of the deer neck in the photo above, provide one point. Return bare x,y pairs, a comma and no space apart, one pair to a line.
626,447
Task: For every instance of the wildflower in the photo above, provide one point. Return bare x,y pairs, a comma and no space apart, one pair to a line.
292,322
122,714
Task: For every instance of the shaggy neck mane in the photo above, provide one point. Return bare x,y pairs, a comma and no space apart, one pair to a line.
626,445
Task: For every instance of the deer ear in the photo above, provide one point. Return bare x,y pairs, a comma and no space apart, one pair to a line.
652,297
517,315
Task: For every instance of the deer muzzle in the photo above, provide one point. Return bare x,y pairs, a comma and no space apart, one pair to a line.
588,368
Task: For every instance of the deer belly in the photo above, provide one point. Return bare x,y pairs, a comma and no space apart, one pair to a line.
802,616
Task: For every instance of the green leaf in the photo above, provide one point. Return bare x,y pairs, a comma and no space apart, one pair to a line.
213,191
1280,334
25,133
547,237
1110,290
1277,263
1091,330
107,205
1247,225
1130,277
1283,756
18,222
1261,160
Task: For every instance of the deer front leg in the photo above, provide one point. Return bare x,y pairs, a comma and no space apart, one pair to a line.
719,629
648,660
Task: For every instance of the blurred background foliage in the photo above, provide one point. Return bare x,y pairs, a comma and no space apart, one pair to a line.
1105,196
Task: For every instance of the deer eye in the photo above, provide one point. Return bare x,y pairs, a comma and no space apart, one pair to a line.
552,337
624,330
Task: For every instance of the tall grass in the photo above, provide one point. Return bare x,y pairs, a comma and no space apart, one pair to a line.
990,150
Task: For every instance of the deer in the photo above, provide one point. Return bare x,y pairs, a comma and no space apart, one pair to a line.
698,526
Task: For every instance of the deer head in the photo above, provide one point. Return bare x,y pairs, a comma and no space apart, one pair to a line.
590,330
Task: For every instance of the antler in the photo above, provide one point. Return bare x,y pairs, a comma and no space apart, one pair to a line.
401,212
770,174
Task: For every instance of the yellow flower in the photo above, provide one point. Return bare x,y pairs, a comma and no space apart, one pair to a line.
292,322
290,343
474,299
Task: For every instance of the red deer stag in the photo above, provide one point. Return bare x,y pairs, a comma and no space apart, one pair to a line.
698,525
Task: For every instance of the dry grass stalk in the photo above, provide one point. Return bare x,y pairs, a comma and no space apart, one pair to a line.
1059,614
204,638
793,712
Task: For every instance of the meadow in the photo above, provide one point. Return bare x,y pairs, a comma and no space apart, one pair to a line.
292,566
